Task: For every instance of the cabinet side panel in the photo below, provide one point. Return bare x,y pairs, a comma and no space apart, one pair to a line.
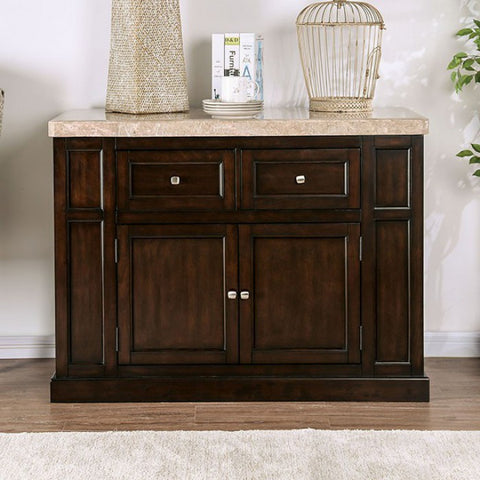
84,179
393,291
392,184
86,302
61,306
417,258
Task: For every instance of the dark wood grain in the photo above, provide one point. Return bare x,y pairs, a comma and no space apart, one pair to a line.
393,292
206,180
194,143
392,178
79,232
109,266
84,179
416,259
238,221
332,178
305,286
245,389
172,299
61,273
86,292
368,289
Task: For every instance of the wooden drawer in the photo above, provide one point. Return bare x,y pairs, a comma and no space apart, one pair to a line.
175,180
309,178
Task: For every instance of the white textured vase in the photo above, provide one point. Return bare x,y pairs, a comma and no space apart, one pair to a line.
147,71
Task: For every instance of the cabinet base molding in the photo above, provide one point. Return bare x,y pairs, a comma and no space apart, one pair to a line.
245,389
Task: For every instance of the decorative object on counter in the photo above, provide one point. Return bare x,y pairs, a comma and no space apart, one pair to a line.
147,71
340,48
357,115
146,117
232,110
2,100
237,55
239,89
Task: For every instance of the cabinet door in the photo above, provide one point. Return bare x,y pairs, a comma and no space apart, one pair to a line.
304,293
173,284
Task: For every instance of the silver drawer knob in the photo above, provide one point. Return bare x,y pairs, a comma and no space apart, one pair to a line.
245,295
300,179
232,294
175,180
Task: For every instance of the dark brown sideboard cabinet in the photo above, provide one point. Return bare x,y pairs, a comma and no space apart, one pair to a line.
239,268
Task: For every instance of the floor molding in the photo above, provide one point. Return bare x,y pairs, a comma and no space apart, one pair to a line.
452,344
39,346
437,344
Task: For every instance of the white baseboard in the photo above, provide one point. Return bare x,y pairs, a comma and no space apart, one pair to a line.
27,347
437,344
452,344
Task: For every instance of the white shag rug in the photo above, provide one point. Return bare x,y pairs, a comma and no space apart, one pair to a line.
276,455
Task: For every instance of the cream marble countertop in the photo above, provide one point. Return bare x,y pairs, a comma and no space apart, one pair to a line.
272,122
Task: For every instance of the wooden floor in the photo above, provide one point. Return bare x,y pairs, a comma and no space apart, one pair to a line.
25,407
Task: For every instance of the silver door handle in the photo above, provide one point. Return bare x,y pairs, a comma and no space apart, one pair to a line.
245,295
175,180
232,294
300,179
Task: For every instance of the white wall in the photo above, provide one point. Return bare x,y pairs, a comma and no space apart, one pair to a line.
53,57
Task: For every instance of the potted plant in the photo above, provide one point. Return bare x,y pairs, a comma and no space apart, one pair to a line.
466,69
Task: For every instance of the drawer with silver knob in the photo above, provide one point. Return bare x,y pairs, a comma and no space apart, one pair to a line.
311,178
176,180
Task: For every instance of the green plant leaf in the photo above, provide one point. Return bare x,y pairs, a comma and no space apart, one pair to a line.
460,55
453,76
476,147
476,173
454,63
474,160
463,80
477,77
463,32
467,64
465,153
477,23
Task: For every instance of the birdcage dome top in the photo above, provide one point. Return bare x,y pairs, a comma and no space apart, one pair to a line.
339,12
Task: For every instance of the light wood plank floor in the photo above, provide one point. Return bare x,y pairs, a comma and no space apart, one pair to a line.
25,407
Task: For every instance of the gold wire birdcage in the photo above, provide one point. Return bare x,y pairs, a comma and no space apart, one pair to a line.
340,47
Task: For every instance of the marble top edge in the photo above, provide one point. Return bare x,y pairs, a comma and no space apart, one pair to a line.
272,122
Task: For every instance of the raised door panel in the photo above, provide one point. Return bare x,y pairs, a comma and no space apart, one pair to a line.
85,292
392,178
304,287
173,305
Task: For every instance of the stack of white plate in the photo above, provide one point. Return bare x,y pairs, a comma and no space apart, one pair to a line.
232,110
